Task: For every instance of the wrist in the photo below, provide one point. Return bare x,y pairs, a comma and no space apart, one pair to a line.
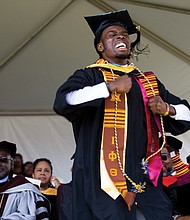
167,109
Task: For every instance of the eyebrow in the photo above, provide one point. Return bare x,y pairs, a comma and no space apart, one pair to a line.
116,31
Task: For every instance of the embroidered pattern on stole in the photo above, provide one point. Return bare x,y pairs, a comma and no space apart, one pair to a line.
153,126
108,137
113,173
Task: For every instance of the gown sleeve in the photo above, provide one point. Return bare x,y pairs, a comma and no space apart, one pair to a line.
175,127
79,80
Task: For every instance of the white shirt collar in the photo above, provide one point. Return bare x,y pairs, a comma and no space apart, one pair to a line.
4,179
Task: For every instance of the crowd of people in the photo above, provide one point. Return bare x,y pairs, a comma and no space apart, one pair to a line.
55,197
30,190
124,161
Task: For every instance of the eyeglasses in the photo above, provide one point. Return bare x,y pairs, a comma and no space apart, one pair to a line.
164,156
5,159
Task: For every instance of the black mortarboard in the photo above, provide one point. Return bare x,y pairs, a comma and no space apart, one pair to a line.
99,22
8,147
172,143
121,16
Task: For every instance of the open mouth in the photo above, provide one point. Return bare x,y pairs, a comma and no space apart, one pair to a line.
121,46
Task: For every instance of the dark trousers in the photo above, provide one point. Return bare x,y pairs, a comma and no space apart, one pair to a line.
154,204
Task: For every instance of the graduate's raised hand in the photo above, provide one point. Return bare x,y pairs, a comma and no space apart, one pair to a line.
158,106
121,85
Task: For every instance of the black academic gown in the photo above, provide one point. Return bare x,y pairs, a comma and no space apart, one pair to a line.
52,199
64,201
18,192
89,201
183,197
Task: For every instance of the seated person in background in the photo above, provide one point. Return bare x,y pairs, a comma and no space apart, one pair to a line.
169,178
180,181
19,198
42,170
18,163
27,169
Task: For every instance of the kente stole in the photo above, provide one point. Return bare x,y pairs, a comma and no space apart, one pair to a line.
153,126
113,181
108,151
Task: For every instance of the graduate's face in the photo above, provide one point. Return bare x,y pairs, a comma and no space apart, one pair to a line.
6,164
115,44
43,173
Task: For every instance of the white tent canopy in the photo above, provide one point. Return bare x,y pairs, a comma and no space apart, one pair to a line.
43,42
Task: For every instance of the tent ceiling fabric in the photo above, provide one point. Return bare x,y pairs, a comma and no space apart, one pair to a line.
43,42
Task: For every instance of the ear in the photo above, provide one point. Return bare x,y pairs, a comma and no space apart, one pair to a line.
100,47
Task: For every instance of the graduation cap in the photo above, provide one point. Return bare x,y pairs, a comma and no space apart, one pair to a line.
100,22
8,147
172,143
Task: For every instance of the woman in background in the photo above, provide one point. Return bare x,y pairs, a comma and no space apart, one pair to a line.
43,170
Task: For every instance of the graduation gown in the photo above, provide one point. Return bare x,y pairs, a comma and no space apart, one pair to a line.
20,199
51,194
89,201
183,197
64,201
